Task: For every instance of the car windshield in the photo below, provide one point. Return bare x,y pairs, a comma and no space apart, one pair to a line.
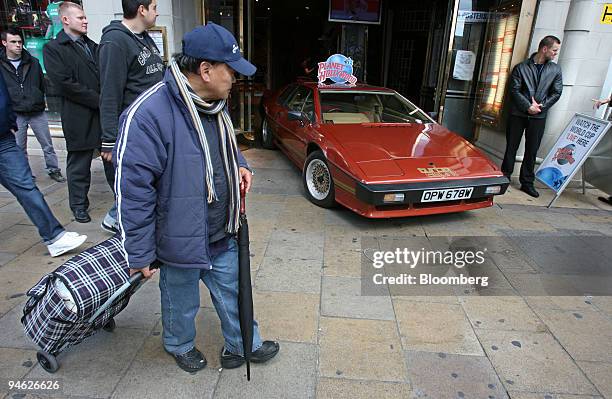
345,107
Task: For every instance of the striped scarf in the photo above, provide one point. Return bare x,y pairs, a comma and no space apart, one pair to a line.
229,147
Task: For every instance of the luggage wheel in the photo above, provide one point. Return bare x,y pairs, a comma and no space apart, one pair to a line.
110,326
47,361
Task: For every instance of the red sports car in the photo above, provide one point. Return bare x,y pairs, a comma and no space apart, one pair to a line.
371,150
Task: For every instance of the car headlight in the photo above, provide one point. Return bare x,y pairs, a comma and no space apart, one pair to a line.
389,198
493,190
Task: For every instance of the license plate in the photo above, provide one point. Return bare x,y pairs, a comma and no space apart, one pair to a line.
449,194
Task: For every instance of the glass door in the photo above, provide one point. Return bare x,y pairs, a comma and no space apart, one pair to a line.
236,16
465,53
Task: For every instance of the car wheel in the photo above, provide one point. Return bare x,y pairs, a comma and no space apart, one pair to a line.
267,141
318,181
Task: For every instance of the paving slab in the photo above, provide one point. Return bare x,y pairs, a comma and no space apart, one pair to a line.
436,327
560,302
341,388
287,316
360,349
599,374
533,362
341,297
286,244
342,262
442,375
154,374
291,374
501,313
14,365
290,275
585,335
548,395
95,367
18,238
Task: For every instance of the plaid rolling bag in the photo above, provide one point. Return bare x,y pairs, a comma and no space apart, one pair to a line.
78,299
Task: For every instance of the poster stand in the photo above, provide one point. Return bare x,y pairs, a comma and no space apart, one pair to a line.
571,150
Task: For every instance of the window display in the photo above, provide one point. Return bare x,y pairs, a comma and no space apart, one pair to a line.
496,65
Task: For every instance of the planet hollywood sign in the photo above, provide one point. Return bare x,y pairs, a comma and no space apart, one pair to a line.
338,68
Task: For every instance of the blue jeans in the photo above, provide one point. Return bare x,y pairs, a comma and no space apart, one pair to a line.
40,126
180,301
16,176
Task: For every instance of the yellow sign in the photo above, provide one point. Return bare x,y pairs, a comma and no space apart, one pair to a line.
606,15
437,172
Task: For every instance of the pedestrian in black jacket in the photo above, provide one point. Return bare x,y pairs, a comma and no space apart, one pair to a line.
130,64
535,86
70,63
24,79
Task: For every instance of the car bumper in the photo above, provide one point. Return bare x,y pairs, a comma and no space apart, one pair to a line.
368,199
413,192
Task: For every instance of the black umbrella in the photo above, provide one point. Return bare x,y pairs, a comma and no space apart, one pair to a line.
245,292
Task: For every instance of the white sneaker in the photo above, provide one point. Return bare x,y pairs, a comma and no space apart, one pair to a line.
69,241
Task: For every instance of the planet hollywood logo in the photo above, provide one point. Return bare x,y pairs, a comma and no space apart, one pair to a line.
338,68
565,155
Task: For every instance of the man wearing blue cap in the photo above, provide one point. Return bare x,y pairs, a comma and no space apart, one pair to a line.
178,179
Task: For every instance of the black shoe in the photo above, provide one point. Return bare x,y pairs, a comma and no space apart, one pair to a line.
606,200
530,190
268,350
57,176
191,361
81,216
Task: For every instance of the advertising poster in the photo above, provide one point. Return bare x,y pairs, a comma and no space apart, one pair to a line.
571,150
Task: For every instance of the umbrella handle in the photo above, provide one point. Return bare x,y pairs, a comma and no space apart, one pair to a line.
242,200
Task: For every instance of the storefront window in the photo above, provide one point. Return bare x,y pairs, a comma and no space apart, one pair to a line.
495,71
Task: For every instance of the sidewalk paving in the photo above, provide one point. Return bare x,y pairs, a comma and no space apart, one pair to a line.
336,343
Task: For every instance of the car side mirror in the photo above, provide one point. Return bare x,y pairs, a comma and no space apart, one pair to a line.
297,116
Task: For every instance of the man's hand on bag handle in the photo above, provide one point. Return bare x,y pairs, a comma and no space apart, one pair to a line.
147,272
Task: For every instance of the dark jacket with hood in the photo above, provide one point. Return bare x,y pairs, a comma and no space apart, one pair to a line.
25,84
129,65
75,77
524,84
8,121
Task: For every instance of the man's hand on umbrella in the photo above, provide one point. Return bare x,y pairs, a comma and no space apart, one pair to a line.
146,271
246,178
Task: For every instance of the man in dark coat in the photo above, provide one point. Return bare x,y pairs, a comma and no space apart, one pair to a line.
70,63
535,86
25,82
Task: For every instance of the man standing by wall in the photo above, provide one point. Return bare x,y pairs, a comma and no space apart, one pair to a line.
16,176
179,172
130,63
24,79
535,86
71,66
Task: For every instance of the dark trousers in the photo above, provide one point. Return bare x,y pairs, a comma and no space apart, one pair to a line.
78,173
534,130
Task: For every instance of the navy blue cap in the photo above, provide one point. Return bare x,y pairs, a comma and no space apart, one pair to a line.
213,42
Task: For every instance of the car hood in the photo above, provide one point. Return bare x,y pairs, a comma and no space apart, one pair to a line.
410,151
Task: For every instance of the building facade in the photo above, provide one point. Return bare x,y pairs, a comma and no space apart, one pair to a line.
450,57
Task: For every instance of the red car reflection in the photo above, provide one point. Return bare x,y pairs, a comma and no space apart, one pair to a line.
371,150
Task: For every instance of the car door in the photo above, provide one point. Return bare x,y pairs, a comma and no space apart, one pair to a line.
299,132
286,128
